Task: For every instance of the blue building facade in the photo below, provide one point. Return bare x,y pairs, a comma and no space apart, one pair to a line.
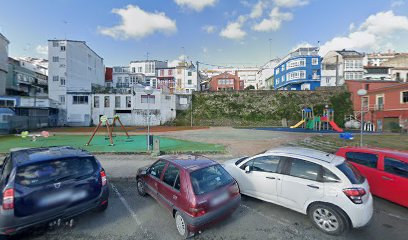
299,70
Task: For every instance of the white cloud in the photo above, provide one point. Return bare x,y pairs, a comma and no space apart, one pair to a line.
274,22
291,3
209,28
374,33
397,3
302,44
175,62
196,5
42,49
257,10
233,31
352,26
137,23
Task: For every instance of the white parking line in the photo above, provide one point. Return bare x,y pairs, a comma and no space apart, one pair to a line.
132,213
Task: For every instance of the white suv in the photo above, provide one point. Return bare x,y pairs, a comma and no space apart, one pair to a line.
329,190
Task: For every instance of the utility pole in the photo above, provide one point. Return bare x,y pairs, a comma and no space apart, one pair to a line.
270,48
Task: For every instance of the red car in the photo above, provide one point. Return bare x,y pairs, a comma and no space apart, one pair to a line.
385,169
197,191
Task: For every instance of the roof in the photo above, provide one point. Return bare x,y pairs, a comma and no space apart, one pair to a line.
388,151
5,39
307,152
76,41
31,155
189,162
350,53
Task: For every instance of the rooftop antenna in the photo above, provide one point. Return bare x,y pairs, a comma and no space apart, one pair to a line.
65,28
147,56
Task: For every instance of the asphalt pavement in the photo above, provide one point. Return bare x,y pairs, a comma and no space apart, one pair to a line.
130,216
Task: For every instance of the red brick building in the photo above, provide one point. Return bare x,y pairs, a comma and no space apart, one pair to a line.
226,82
386,102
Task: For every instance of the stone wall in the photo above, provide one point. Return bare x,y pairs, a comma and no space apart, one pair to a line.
262,108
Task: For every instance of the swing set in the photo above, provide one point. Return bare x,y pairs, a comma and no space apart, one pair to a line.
110,127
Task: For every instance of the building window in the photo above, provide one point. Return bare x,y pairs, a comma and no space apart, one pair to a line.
96,101
171,72
189,82
128,101
133,69
117,102
315,61
148,98
55,59
397,76
55,44
62,81
79,99
162,72
404,97
301,62
139,69
62,99
106,102
55,78
189,74
277,71
62,48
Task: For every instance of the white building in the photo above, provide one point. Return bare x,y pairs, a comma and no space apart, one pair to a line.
133,108
35,64
247,74
146,69
340,66
378,59
3,63
265,72
186,78
73,68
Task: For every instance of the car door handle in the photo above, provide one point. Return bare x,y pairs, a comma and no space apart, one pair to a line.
270,177
313,186
387,178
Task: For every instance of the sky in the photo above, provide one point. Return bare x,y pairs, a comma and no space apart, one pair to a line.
219,32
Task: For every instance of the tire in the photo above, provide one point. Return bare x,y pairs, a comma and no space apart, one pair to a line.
328,219
103,207
140,188
181,226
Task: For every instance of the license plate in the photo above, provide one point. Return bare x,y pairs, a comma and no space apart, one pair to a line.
219,199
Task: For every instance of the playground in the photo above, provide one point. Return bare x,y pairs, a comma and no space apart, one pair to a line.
101,144
318,123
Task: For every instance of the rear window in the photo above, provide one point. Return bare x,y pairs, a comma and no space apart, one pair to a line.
351,173
396,167
54,171
366,159
240,160
209,179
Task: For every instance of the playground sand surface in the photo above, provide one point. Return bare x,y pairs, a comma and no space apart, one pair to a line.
100,144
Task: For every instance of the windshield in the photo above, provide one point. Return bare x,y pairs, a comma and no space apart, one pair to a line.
54,171
351,172
209,179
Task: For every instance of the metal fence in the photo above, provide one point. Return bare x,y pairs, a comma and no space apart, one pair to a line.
17,124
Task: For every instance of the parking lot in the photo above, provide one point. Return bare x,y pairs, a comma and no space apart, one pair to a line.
130,216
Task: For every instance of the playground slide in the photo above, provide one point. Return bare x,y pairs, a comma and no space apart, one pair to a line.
335,127
298,124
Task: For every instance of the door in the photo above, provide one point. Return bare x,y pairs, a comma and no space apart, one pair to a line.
390,123
169,188
393,181
367,164
153,177
299,184
262,178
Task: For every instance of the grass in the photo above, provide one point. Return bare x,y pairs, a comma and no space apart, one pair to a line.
331,143
100,144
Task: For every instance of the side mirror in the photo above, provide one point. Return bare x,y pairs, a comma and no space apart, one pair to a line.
247,169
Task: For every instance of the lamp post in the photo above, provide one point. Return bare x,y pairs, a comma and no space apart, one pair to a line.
148,90
361,93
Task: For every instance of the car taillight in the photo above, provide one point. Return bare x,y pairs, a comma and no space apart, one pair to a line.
103,178
355,194
234,188
8,199
196,212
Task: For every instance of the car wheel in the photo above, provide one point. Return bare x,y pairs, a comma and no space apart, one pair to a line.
141,188
328,219
103,207
181,225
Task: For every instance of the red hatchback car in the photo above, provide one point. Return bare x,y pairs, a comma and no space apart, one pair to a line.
385,169
197,191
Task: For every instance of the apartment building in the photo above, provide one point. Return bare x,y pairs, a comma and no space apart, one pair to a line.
4,42
73,69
